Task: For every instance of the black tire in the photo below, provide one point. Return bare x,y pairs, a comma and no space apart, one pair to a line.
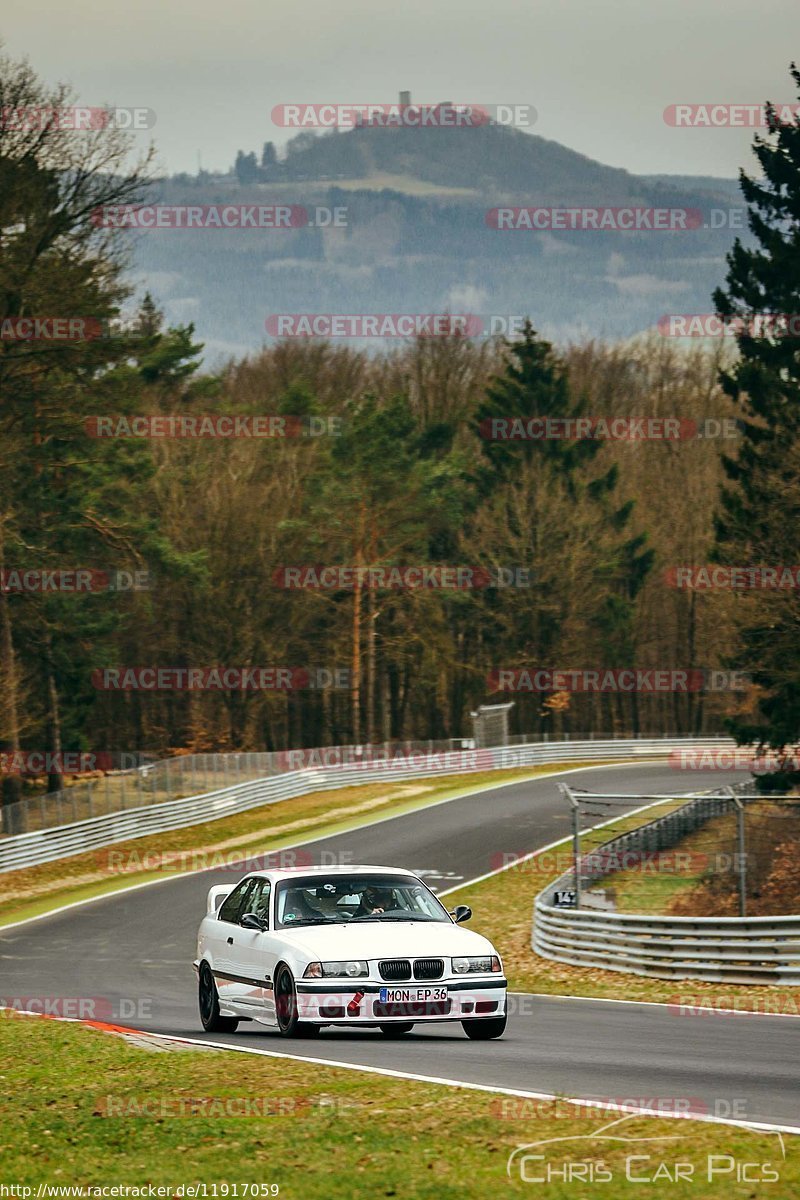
208,1002
397,1030
289,1024
484,1028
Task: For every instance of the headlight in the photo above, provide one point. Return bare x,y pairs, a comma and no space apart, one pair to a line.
486,965
328,970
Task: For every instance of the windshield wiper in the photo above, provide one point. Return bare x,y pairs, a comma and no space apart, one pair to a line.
410,917
384,917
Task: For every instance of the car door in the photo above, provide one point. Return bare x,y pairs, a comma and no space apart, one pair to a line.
224,952
250,965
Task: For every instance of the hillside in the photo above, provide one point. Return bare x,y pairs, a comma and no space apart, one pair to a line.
492,159
417,240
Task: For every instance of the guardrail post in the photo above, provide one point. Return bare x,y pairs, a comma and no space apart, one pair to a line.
566,790
576,839
741,852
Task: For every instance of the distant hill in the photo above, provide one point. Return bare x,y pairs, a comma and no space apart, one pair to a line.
707,183
492,159
417,238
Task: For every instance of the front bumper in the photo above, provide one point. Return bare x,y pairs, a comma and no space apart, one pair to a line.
374,1003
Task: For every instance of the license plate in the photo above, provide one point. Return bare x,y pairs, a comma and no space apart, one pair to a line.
412,995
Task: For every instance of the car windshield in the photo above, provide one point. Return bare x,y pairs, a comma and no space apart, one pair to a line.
320,899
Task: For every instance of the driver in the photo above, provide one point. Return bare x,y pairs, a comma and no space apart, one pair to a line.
374,900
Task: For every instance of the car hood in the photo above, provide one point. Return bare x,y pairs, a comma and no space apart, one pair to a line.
390,939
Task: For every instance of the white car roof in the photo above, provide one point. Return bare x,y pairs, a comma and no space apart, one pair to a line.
356,869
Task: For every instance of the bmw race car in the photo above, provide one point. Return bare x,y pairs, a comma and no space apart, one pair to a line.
344,946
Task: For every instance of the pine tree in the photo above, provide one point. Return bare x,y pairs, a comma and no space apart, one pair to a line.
55,259
246,167
759,514
551,497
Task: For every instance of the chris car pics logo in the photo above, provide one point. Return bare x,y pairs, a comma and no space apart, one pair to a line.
645,1160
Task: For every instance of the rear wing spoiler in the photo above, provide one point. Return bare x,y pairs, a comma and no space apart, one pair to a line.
215,897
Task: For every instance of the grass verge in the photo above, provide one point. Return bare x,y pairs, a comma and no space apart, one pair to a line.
674,875
115,1114
503,907
36,890
699,875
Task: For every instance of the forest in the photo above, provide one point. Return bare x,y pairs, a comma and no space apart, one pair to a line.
317,544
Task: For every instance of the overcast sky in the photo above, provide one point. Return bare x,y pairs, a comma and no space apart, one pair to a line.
599,72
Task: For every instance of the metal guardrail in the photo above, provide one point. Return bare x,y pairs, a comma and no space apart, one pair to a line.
140,780
45,845
762,950
142,783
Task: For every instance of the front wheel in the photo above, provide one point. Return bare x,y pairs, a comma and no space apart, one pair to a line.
398,1029
208,1002
289,1024
484,1028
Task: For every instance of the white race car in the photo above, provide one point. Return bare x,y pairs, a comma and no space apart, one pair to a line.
344,946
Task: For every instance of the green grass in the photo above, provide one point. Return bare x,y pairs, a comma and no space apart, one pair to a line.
673,873
376,181
636,892
115,1114
37,890
704,882
503,907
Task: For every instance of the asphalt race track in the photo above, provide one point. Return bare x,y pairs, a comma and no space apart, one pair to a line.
135,950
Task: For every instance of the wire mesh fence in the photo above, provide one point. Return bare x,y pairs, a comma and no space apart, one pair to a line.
728,853
196,774
116,791
183,775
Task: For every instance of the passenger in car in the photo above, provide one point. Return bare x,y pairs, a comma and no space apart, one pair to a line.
298,907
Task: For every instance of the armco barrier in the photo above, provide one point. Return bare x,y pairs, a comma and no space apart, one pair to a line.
45,845
762,950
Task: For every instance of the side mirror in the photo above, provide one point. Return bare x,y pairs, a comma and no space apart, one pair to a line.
251,921
462,913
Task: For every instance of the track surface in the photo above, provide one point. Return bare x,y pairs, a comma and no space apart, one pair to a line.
134,951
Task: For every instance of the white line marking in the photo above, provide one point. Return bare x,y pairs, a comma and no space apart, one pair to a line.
386,1071
606,999
460,886
633,812
728,1012
442,1081
468,883
489,787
